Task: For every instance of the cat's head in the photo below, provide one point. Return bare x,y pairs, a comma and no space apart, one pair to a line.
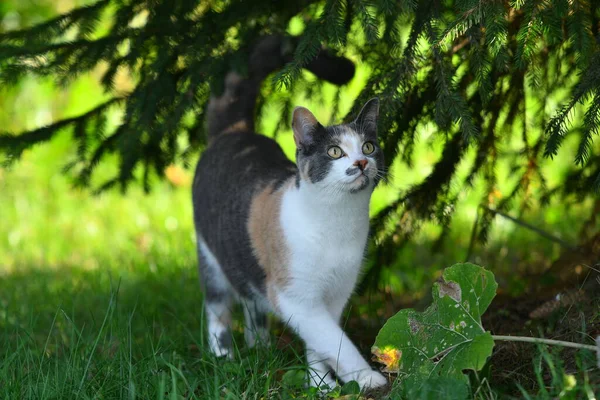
341,158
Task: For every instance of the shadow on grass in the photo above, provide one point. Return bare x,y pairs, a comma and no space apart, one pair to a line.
137,332
72,333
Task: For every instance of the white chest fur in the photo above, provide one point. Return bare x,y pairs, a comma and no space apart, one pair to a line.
326,238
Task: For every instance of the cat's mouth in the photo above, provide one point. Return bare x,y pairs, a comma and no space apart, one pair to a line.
359,183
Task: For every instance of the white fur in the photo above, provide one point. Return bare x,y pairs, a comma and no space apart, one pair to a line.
218,313
326,227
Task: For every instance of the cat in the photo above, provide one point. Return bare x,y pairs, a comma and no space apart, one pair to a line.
280,237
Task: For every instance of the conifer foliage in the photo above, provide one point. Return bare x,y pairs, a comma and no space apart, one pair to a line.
486,74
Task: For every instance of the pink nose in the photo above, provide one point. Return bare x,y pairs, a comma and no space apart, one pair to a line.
361,164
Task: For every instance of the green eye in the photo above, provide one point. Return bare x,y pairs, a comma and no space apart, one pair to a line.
335,152
368,148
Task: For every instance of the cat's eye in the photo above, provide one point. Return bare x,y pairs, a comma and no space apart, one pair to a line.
368,148
335,152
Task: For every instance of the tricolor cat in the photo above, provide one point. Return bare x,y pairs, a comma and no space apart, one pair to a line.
285,238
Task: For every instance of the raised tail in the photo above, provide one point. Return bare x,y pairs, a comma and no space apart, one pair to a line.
233,110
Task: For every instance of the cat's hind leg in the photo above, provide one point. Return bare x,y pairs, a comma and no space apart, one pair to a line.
217,301
256,328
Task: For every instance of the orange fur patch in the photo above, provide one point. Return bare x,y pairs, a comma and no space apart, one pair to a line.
266,236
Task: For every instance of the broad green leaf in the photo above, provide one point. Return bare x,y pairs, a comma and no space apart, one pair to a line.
294,378
447,337
439,388
350,388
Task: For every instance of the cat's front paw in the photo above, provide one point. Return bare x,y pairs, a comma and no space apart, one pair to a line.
371,380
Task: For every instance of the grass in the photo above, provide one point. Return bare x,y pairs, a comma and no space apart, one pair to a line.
127,349
73,333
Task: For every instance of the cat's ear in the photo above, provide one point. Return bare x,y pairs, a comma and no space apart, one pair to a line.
366,122
304,125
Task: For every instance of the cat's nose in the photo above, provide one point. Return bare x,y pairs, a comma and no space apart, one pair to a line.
361,164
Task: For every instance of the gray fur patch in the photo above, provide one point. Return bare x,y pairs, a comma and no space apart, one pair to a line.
352,171
226,340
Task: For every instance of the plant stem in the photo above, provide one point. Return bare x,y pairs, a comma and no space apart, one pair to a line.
544,341
533,228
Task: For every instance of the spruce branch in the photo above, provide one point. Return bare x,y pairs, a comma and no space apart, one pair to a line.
14,145
591,125
41,33
532,228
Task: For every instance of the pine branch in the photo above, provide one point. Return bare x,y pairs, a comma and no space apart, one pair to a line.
579,26
55,27
450,104
533,228
333,18
591,125
369,23
557,127
14,145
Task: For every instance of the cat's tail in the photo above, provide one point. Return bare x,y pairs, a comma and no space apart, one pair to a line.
233,109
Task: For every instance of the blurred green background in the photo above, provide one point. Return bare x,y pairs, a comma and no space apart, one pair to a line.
46,223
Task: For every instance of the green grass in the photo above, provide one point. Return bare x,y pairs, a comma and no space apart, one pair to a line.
131,340
99,297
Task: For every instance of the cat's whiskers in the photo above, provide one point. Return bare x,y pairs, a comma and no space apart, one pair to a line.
339,187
